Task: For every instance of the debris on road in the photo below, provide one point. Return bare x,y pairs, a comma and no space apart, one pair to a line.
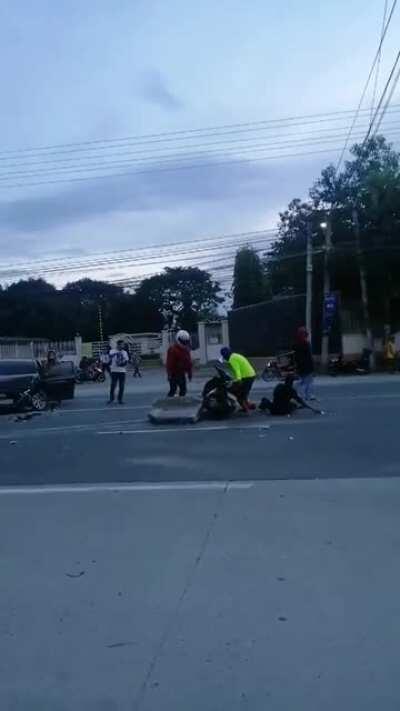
75,575
13,441
28,416
181,410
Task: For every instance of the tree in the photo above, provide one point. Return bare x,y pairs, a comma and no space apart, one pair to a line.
86,297
188,293
249,280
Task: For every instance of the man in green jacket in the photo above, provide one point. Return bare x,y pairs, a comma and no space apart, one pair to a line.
243,376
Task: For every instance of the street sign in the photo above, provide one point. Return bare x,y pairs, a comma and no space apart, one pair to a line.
330,308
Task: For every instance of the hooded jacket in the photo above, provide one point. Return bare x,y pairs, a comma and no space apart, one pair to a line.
179,361
303,354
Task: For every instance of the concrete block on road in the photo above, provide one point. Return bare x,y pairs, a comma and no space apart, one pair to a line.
181,410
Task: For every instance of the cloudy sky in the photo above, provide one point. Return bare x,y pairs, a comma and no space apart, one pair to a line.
74,71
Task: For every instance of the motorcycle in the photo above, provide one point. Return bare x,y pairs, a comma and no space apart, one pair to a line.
278,368
337,366
94,373
218,402
33,398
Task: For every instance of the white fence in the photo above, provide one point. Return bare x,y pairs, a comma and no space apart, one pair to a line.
37,349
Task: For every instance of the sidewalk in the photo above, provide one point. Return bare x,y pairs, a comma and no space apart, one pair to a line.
284,595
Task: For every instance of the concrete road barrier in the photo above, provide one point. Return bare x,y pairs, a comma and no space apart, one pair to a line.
183,410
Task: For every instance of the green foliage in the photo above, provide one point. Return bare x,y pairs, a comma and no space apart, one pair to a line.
36,309
250,284
188,293
370,181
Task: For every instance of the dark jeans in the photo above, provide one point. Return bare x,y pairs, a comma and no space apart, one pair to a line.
175,382
136,372
241,390
120,379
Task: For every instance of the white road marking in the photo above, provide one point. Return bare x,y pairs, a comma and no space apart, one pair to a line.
64,428
109,408
122,487
263,426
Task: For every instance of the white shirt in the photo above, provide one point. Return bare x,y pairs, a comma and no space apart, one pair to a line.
119,361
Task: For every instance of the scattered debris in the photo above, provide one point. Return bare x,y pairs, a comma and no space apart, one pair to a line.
282,619
281,579
75,575
291,437
28,416
116,645
13,441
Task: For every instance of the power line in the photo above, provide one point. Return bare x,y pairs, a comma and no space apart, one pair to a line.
388,82
384,33
208,245
378,66
166,158
393,89
195,166
185,132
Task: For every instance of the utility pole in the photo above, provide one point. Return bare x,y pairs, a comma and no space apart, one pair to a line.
363,287
327,228
309,281
100,323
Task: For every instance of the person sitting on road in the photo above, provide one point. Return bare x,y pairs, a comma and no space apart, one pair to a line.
243,377
179,364
285,399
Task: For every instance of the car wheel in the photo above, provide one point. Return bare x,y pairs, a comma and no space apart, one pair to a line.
39,400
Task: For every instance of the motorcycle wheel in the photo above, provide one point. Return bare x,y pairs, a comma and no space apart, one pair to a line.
39,400
101,378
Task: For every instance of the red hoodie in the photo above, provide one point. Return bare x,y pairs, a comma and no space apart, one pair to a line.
179,361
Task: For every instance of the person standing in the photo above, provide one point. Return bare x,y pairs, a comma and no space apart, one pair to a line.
105,361
136,364
243,377
179,364
118,362
390,355
304,362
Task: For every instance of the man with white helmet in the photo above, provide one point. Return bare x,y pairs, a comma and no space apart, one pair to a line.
179,364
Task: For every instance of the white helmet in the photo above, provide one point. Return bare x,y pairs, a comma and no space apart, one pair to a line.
183,336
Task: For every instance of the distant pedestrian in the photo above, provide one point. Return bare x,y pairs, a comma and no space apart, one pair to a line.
390,355
136,360
105,361
304,362
179,364
118,363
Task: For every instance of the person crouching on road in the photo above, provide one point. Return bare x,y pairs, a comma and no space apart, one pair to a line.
179,364
243,377
118,362
285,399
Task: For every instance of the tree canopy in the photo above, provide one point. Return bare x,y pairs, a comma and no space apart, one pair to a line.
34,308
250,284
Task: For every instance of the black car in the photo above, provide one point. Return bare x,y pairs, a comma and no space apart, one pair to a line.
45,384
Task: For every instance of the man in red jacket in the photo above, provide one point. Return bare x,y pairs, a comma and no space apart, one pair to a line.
179,364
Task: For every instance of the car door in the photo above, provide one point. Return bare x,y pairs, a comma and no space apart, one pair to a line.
59,381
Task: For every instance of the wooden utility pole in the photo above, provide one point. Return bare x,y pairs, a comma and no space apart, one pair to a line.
363,287
327,228
100,324
309,281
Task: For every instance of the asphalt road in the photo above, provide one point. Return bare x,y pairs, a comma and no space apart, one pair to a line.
242,566
86,441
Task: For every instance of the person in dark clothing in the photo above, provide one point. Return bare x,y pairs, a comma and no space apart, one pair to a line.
179,364
304,362
285,399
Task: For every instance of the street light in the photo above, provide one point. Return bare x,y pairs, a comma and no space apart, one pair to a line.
323,225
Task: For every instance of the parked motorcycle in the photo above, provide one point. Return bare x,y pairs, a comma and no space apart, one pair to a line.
218,402
338,366
93,373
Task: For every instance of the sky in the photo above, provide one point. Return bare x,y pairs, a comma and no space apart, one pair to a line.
77,72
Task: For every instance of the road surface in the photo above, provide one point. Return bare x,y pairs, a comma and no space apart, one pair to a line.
251,564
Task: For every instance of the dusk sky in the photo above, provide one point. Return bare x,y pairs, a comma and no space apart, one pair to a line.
75,72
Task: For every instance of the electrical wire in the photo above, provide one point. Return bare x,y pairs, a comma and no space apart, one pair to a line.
166,158
175,135
378,66
393,89
379,50
387,85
